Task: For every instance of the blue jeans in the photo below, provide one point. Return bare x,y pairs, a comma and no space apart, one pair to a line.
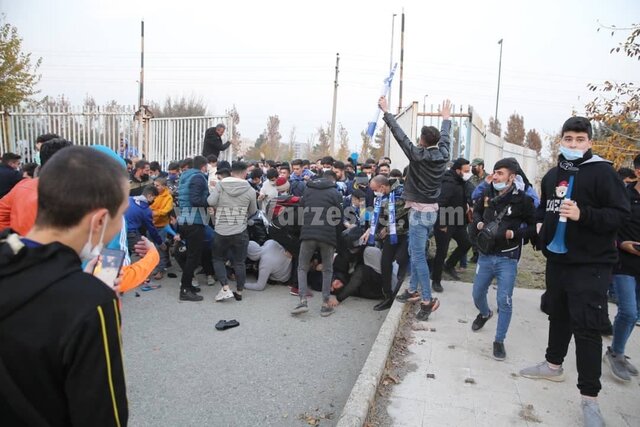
504,270
627,291
420,227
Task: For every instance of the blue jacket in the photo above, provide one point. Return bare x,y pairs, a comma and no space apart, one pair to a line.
138,215
193,191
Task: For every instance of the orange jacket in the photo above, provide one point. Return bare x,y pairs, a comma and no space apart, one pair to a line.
19,207
135,274
161,207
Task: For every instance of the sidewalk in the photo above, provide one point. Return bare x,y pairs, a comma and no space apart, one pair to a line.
469,388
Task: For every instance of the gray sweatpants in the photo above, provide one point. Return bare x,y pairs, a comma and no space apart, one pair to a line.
307,248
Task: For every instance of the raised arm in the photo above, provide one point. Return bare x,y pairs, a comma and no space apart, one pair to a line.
403,140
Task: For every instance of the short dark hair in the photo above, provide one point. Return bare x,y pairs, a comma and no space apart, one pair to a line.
141,164
636,162
380,180
359,194
626,173
46,137
329,174
384,164
212,158
9,157
577,124
366,166
224,173
150,190
272,173
395,173
306,162
173,166
67,173
327,160
51,147
256,173
238,166
338,165
285,166
29,168
199,162
459,162
128,162
296,162
155,166
430,135
188,163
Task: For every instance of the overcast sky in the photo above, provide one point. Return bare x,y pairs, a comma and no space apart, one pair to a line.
278,57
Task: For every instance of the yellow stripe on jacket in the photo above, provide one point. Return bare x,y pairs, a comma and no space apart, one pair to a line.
108,360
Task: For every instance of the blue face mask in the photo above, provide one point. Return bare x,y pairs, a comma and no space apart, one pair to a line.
570,154
499,186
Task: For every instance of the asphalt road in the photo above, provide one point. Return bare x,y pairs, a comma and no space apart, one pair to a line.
270,371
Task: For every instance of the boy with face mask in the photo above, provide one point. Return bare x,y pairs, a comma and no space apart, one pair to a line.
507,200
578,277
60,354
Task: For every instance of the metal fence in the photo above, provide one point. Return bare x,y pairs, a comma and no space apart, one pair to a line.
161,139
179,138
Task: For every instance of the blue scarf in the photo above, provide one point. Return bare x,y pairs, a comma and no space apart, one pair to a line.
376,217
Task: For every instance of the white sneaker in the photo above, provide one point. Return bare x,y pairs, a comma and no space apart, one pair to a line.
223,295
195,283
211,280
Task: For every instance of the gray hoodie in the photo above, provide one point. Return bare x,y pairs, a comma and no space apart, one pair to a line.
235,201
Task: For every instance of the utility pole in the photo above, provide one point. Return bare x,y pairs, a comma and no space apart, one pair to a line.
393,23
401,59
141,92
335,104
499,72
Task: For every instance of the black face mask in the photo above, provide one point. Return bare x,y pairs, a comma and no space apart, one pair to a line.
144,177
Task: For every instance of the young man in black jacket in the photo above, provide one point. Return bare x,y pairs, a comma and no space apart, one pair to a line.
9,172
578,276
452,221
508,205
60,357
427,164
322,216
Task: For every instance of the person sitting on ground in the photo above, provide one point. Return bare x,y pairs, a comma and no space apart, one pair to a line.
61,326
274,264
139,178
366,278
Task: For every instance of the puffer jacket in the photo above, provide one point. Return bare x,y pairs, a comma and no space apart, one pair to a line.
322,211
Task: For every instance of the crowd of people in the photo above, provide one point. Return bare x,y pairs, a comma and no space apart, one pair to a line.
341,227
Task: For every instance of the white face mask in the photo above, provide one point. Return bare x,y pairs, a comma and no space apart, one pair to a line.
466,176
88,253
378,193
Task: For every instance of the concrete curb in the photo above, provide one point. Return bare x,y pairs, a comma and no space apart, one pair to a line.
354,413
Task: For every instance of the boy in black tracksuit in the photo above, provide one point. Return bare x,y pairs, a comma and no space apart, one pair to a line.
577,281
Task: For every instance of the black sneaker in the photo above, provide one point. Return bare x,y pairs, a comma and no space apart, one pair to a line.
237,296
498,351
188,295
384,305
480,321
195,290
327,310
437,287
452,272
427,309
407,296
302,307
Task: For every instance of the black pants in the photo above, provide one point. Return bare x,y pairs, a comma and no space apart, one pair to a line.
399,253
234,246
364,283
443,237
194,236
576,302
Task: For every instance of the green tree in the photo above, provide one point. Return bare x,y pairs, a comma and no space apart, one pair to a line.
365,149
515,130
18,76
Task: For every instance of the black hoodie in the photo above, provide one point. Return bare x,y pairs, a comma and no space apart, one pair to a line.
59,338
604,207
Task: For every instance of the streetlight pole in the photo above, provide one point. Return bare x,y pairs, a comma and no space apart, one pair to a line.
393,23
499,72
424,107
